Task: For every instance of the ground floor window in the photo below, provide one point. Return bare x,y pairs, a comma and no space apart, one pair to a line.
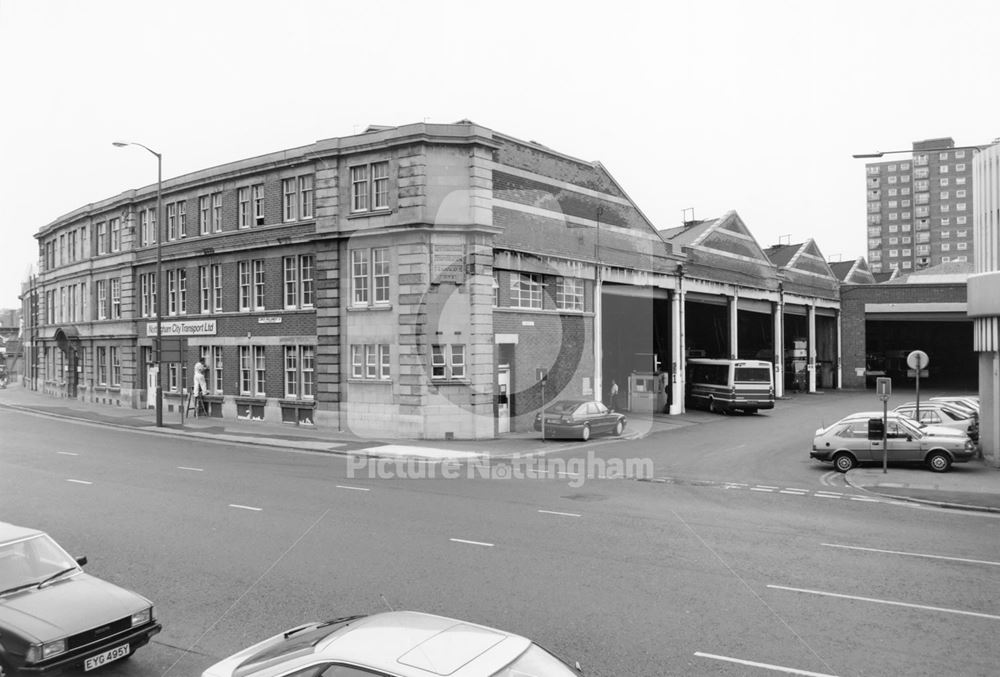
252,370
371,361
215,370
448,361
299,369
173,377
116,366
102,365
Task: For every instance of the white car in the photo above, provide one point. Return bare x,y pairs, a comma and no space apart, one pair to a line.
393,644
942,414
846,443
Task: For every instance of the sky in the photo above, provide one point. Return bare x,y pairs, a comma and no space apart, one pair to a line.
706,106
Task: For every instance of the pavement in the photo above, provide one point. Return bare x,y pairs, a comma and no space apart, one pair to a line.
967,486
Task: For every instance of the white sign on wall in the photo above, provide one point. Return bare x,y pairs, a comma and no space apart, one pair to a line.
193,328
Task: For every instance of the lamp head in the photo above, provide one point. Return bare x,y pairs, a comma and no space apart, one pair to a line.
120,144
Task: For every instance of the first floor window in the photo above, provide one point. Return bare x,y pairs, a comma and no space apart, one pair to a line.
217,287
569,293
102,299
116,298
173,377
526,290
244,282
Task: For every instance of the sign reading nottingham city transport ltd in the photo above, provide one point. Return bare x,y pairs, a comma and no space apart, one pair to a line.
193,328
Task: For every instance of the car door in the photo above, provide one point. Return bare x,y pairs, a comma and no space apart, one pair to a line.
602,418
855,438
901,445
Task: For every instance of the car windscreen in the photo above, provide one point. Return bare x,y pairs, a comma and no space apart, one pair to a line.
300,642
535,662
752,375
32,560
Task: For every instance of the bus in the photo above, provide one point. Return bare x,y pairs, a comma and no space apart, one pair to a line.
724,386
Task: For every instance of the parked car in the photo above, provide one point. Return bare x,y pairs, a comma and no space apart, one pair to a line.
393,644
969,402
54,616
943,414
580,418
846,443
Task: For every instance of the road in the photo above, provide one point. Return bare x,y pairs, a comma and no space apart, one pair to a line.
738,556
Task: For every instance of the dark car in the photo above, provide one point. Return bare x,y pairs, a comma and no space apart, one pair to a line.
53,616
580,418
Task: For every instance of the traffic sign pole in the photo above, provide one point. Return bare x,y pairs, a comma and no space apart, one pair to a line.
917,360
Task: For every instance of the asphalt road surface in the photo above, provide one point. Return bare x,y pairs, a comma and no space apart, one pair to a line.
735,554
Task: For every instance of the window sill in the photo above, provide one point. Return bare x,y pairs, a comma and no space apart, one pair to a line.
298,404
250,400
371,308
371,381
451,382
373,212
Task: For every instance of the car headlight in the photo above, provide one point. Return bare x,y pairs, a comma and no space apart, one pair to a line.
969,444
43,652
142,617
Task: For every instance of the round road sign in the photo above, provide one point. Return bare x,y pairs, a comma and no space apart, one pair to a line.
917,359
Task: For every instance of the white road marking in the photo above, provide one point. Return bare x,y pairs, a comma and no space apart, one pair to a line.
768,666
245,507
889,602
766,486
79,482
864,499
913,554
767,489
819,495
830,493
568,474
462,540
183,467
793,492
67,453
344,486
556,512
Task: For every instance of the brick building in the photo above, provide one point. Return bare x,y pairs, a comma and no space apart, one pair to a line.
411,281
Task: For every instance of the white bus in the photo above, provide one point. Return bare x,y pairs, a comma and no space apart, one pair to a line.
725,386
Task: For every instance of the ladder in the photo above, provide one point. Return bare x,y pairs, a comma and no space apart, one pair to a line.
196,404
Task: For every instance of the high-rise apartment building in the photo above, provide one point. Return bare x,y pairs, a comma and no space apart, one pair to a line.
920,209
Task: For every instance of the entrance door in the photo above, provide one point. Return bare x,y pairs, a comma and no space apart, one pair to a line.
72,371
503,399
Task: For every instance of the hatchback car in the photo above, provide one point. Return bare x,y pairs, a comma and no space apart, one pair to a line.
846,443
580,418
943,414
54,616
393,644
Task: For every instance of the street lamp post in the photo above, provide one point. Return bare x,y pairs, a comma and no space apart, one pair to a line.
158,306
879,153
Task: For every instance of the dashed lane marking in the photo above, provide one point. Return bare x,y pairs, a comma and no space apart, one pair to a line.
344,486
67,453
184,467
556,512
245,507
766,666
875,600
462,540
912,554
79,481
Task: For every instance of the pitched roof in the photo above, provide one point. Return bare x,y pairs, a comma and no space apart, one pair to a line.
853,272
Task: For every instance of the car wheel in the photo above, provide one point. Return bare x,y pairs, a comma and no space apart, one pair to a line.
844,462
619,427
5,671
585,433
939,461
